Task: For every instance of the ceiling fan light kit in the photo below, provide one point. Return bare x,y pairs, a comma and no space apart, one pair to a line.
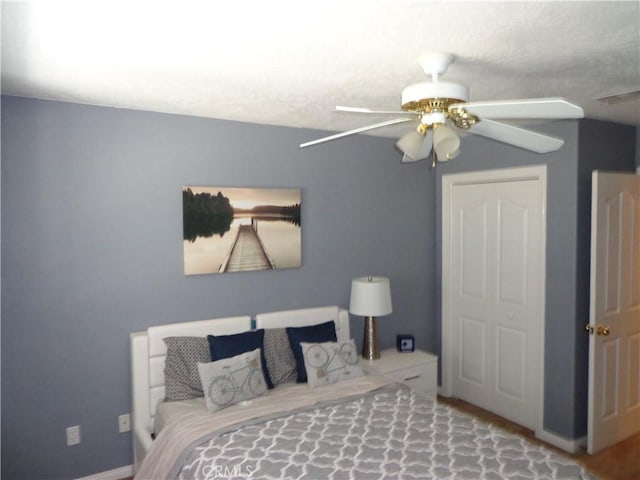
446,143
439,107
415,145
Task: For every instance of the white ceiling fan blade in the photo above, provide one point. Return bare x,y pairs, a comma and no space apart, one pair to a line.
415,146
357,130
342,108
520,137
525,108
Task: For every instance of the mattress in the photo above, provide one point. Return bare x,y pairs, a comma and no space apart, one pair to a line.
166,412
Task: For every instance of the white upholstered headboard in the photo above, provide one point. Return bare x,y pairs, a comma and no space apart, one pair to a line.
307,316
148,353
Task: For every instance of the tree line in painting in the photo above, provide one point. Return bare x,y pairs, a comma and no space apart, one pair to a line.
205,215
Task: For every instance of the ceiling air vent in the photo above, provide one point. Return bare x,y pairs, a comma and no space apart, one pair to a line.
619,97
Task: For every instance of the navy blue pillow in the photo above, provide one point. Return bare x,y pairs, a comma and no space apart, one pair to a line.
227,346
323,332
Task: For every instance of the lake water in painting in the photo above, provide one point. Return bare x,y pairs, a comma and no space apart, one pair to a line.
271,215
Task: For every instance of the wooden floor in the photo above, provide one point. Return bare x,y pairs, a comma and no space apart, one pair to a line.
620,462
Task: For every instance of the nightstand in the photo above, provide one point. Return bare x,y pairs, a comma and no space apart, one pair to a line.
418,369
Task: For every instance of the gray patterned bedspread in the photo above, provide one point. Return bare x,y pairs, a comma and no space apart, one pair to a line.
391,433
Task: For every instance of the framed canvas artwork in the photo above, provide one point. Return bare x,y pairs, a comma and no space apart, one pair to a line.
240,229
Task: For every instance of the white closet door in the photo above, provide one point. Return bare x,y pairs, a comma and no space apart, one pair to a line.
495,295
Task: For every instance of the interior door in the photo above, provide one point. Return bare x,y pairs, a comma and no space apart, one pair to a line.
496,249
614,324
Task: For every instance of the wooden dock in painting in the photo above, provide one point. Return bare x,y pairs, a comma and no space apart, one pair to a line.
247,253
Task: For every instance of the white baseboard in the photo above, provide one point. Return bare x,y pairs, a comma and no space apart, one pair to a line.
571,446
115,474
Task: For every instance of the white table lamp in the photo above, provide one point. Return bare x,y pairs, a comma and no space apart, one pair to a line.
370,298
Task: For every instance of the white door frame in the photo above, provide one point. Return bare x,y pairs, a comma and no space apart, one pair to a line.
537,173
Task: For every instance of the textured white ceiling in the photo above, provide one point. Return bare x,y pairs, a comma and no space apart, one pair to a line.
289,62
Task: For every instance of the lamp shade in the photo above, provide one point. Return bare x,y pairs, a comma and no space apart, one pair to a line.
370,296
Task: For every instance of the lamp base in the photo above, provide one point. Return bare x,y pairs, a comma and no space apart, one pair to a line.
370,346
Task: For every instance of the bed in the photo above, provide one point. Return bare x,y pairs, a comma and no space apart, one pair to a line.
341,423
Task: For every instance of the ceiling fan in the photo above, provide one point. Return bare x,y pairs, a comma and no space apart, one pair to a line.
439,107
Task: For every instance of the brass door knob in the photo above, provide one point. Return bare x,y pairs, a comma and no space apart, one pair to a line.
600,330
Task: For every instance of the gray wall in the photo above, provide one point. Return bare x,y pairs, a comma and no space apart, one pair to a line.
609,147
481,154
92,250
588,144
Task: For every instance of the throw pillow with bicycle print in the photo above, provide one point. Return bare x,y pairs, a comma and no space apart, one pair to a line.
232,380
330,362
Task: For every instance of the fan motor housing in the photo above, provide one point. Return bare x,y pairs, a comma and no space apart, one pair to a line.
433,96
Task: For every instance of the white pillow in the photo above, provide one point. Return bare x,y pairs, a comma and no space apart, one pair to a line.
232,380
330,362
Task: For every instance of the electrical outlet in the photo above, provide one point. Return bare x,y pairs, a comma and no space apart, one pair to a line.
73,435
124,423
